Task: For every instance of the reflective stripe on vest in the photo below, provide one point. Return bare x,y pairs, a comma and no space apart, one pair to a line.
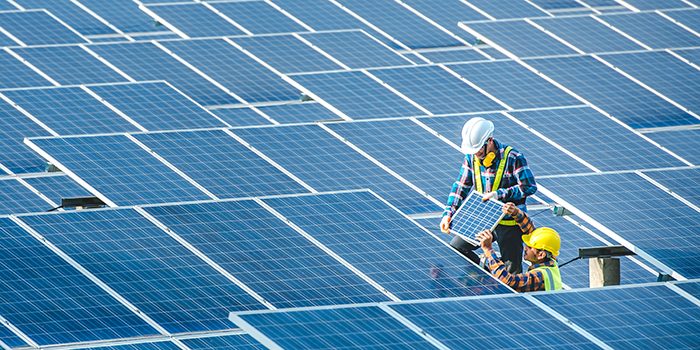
496,181
552,277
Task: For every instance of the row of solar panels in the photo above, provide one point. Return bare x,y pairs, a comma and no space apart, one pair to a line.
133,272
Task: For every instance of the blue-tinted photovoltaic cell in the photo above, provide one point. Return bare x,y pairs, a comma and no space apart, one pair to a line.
145,61
417,155
401,24
653,30
356,49
475,215
57,187
437,90
462,324
678,142
559,4
692,55
140,346
357,95
691,287
258,17
286,53
383,244
13,153
37,27
448,13
520,38
348,328
610,147
450,56
689,18
327,164
632,318
6,6
10,339
664,73
234,70
14,74
680,181
279,264
52,302
124,14
69,65
658,4
147,267
510,9
220,163
612,92
120,169
242,116
7,41
195,20
70,111
71,14
157,106
542,158
588,34
298,112
514,84
233,342
663,226
16,198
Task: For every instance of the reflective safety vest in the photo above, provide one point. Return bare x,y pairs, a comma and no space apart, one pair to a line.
496,181
552,277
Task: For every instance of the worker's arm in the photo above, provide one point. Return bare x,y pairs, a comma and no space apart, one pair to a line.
520,218
529,281
525,186
460,190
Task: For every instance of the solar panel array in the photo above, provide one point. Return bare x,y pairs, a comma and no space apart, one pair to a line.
296,155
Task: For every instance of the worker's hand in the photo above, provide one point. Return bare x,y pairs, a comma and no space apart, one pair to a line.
511,209
445,224
485,238
489,195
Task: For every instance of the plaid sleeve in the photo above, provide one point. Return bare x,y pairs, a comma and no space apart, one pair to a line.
525,185
529,281
524,223
460,188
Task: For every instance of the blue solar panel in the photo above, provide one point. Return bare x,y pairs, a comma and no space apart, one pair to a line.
282,266
588,34
542,158
611,147
380,242
241,116
141,346
4,6
657,4
401,24
57,187
559,4
356,49
417,155
37,27
52,302
70,111
233,69
462,324
350,328
13,154
448,13
70,13
692,55
626,318
120,169
124,14
195,20
653,30
287,54
474,216
157,106
612,92
147,267
514,84
14,74
691,287
678,141
327,164
69,65
510,9
298,112
7,41
16,198
145,61
11,339
233,342
520,38
664,73
357,95
219,163
258,17
450,56
689,18
638,212
437,90
678,181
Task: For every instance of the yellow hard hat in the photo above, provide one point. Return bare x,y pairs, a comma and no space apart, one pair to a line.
544,238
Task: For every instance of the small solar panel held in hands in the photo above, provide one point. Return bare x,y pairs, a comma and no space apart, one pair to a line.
474,216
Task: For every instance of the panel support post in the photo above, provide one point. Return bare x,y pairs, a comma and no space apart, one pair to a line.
604,272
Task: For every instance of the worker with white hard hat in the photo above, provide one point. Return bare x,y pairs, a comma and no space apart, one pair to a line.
497,171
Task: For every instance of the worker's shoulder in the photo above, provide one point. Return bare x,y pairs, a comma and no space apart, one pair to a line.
514,152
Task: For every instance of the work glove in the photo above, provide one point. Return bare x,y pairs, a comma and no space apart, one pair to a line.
445,224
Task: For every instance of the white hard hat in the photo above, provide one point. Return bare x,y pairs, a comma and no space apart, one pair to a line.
475,133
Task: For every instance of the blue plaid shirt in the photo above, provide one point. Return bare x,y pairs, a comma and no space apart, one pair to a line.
517,183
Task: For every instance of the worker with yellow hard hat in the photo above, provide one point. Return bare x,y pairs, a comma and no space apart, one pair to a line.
541,250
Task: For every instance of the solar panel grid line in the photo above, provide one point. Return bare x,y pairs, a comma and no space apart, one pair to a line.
474,216
539,8
172,167
475,86
327,250
37,192
675,288
685,60
676,22
627,6
668,190
479,10
94,279
28,115
191,100
321,51
32,67
107,63
385,45
591,8
114,109
254,332
397,92
101,19
18,332
65,25
12,36
227,18
436,134
162,21
412,326
633,39
553,35
432,22
292,17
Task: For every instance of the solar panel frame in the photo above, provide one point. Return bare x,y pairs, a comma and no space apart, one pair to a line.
241,116
258,17
588,35
305,112
474,216
57,187
71,14
515,36
673,179
512,9
15,74
234,342
675,140
194,19
39,27
123,14
688,18
15,156
665,33
286,53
